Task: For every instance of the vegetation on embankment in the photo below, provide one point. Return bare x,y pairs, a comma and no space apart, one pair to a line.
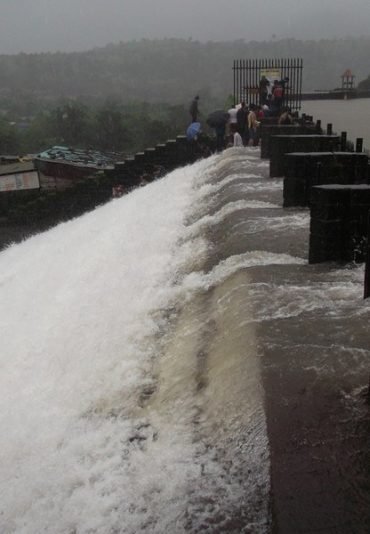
132,95
170,70
111,126
364,85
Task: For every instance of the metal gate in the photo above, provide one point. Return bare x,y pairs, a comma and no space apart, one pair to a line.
248,74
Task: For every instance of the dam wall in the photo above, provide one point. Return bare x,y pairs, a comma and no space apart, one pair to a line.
69,190
180,366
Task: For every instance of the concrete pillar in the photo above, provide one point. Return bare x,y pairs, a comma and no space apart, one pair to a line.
305,170
367,267
359,143
267,131
339,223
284,144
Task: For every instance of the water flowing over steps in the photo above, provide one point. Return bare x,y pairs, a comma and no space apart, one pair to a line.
314,347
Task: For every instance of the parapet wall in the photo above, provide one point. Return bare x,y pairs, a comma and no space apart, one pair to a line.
323,172
339,223
23,213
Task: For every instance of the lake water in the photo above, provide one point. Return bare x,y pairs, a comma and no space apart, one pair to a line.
351,116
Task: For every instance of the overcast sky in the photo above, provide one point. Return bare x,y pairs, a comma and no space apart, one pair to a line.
67,25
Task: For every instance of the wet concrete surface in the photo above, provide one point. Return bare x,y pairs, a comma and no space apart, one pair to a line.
318,423
315,372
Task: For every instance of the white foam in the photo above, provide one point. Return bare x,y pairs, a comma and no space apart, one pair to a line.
342,297
77,307
80,316
228,209
233,264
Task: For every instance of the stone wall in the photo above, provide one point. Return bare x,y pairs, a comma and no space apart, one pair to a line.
284,144
23,213
305,170
339,223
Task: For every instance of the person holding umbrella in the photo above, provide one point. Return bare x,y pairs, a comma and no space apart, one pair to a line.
218,120
220,132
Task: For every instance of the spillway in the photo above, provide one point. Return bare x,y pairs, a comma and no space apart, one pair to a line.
133,370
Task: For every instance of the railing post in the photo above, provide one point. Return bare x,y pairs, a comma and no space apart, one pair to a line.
247,74
359,142
367,264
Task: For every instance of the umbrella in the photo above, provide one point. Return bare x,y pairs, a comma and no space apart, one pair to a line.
217,118
193,130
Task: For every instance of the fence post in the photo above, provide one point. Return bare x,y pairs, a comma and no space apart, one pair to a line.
247,74
367,264
359,142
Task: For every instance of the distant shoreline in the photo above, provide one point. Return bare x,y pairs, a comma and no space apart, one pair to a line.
335,95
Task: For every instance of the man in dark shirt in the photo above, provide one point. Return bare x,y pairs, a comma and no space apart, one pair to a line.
263,90
241,117
193,110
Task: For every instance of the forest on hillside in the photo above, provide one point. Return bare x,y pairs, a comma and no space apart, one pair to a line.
169,70
129,96
110,126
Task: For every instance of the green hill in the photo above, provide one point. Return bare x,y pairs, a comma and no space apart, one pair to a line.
170,70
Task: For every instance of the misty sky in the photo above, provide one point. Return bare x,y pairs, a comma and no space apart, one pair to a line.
51,25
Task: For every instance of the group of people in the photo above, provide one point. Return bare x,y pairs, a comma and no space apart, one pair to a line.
273,93
241,124
244,124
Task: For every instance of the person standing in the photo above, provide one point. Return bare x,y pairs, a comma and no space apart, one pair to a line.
253,126
233,121
194,109
220,131
241,118
277,96
284,83
263,90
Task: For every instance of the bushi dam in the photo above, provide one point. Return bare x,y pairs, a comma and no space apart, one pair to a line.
170,363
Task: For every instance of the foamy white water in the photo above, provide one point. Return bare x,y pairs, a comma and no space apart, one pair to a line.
77,307
130,384
86,318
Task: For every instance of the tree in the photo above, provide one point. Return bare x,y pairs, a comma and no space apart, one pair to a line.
364,85
9,139
40,135
111,133
72,124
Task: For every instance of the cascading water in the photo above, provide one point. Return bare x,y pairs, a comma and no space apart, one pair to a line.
132,398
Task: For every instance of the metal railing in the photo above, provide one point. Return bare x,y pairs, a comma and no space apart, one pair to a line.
248,73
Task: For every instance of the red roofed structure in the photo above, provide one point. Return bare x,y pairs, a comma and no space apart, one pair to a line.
348,80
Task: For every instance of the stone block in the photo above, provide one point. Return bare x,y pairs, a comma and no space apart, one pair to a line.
286,144
339,223
269,130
